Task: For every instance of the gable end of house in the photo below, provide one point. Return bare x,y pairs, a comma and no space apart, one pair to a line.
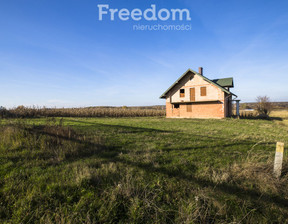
220,83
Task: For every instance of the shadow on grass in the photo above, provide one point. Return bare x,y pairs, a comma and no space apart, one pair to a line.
276,118
223,146
129,129
252,117
111,154
120,128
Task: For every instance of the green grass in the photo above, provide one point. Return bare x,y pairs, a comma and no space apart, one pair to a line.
141,170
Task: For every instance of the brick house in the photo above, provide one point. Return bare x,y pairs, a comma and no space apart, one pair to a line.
195,96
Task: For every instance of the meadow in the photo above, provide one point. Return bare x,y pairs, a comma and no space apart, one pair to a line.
141,170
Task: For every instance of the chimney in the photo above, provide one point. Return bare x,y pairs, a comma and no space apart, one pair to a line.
200,71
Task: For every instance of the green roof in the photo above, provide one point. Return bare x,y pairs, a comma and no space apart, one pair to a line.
225,81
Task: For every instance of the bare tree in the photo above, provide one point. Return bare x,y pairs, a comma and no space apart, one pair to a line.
264,106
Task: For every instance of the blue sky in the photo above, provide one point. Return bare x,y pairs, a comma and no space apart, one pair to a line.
58,53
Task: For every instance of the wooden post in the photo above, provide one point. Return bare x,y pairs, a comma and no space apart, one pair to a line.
237,108
278,159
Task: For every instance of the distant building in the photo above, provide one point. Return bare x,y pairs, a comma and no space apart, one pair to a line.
195,96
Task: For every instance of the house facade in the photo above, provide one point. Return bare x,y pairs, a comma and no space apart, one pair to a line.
195,96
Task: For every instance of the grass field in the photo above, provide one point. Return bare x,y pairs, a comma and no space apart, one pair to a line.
141,170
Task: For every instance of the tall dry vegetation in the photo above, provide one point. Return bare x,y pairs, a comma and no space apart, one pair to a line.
32,112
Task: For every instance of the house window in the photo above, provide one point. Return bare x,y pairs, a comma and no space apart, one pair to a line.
203,91
182,92
176,105
189,108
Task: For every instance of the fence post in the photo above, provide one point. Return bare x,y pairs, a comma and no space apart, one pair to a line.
278,159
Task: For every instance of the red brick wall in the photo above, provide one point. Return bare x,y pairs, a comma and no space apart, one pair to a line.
199,110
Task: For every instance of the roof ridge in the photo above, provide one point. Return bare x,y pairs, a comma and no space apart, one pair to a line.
224,78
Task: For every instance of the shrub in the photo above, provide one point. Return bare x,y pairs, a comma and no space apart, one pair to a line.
264,106
3,112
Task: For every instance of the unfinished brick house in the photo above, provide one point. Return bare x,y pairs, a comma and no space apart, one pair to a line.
195,96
